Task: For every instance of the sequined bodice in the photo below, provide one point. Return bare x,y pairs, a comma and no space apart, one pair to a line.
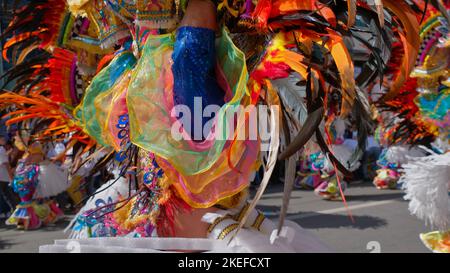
25,178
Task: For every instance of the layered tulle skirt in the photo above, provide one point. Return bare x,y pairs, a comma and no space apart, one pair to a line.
34,214
53,180
132,100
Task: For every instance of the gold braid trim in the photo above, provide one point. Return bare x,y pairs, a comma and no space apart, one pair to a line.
227,231
258,221
217,221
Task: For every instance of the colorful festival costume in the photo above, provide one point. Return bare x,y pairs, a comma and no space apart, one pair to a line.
32,212
425,178
293,60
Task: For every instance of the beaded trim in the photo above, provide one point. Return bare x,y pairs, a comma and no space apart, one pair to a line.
227,231
218,221
258,221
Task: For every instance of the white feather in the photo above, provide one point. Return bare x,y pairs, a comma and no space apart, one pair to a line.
401,154
426,182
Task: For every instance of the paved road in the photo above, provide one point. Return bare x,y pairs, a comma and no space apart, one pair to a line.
379,216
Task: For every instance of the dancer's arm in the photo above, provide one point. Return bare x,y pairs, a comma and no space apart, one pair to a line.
200,13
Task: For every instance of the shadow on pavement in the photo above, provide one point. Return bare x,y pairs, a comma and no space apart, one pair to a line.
60,225
317,221
5,244
361,185
375,197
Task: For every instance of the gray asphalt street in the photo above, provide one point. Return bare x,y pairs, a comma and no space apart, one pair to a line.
381,219
381,222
